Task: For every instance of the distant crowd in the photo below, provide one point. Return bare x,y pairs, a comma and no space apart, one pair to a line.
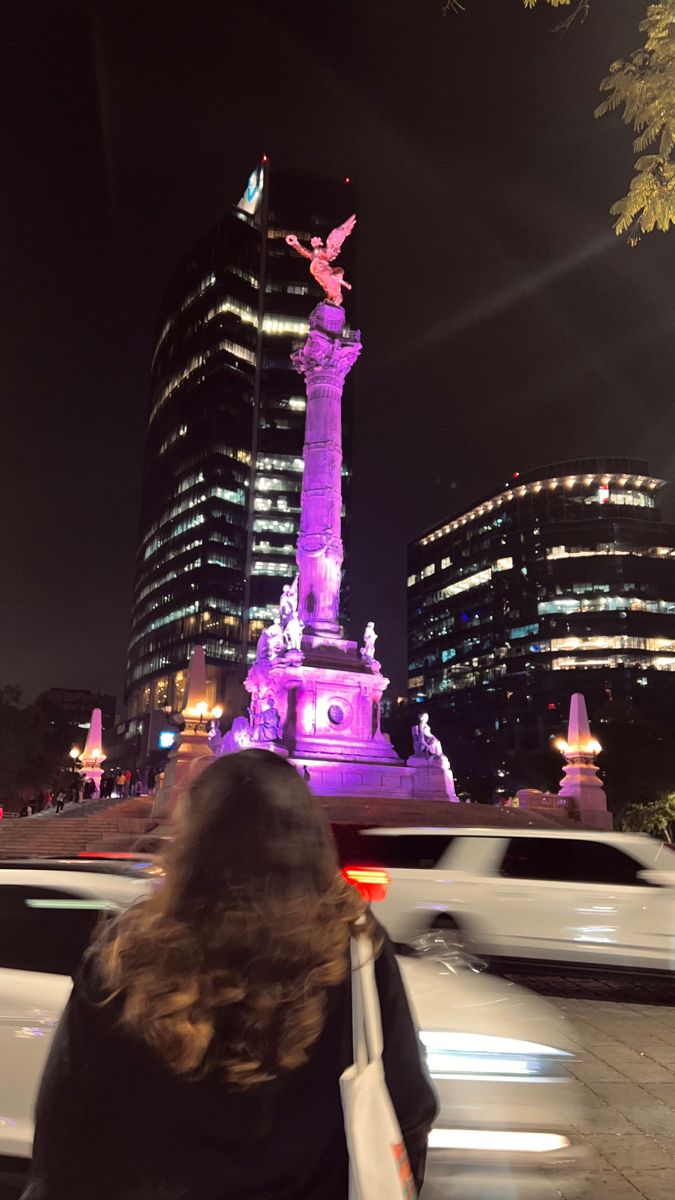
122,784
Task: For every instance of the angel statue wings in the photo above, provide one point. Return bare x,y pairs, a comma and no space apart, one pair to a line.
331,279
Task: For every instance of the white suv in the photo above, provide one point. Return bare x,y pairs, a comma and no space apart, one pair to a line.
48,912
601,899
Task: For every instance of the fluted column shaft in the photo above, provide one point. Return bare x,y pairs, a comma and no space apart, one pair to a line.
324,359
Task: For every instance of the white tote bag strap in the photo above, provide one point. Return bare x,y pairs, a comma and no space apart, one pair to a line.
366,1017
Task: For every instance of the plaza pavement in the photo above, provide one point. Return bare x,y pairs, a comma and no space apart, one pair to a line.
627,1120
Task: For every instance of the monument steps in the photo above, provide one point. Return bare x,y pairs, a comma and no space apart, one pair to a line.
46,836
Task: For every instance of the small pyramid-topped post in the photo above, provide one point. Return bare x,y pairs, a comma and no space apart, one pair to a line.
92,756
192,751
581,784
325,359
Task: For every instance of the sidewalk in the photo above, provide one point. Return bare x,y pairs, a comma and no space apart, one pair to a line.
627,1071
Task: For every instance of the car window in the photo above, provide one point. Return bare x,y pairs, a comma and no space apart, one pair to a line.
45,929
411,850
570,861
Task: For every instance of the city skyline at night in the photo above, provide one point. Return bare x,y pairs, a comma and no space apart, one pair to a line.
506,325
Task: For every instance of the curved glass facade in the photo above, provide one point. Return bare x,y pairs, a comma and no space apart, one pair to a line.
562,580
223,456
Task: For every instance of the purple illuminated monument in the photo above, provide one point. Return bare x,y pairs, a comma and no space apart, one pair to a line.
315,696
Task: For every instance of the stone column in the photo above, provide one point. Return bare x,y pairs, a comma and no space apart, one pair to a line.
324,359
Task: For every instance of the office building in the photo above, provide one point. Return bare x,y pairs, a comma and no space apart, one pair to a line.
561,580
74,706
223,457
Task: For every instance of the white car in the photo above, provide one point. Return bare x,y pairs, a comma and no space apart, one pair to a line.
585,899
497,1054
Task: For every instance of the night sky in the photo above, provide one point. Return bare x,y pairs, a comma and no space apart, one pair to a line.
504,325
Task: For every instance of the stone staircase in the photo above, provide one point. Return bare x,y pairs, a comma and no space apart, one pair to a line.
69,832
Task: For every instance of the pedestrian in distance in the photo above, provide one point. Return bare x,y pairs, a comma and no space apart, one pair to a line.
60,800
222,1004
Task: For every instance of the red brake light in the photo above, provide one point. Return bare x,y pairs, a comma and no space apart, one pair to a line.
107,854
371,882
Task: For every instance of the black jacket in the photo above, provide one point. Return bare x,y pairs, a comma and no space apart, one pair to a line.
113,1123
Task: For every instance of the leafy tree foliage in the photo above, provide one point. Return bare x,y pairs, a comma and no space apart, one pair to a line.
656,818
33,747
643,87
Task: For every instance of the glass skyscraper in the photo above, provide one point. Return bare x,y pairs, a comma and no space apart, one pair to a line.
223,456
560,580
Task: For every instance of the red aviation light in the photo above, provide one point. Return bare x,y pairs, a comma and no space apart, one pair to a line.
371,882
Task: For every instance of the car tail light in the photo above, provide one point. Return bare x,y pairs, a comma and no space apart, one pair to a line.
371,882
107,854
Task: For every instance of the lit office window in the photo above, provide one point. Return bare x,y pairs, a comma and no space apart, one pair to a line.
280,462
611,642
470,581
523,631
265,547
284,325
224,560
271,568
611,548
262,525
572,604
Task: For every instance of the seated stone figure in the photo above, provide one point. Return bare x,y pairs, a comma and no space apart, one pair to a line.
425,744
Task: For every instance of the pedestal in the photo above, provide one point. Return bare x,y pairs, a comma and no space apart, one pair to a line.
584,793
188,758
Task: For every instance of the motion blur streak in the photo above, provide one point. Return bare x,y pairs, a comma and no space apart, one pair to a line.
496,1139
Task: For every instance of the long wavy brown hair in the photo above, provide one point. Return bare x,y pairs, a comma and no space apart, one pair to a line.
226,967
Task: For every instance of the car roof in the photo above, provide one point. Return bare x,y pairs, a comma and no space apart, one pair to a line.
578,835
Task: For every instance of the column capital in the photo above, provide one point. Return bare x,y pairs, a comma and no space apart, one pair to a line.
322,353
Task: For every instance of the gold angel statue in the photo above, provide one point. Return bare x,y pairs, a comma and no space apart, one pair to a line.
331,279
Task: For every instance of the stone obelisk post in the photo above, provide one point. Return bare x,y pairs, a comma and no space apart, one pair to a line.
580,783
92,756
325,359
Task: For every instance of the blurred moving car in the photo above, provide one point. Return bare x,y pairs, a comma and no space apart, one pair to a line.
496,1053
498,1057
48,911
583,898
133,843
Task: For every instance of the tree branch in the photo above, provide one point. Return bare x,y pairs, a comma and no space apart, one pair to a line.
578,13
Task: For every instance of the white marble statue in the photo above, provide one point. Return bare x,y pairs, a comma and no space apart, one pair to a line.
266,723
270,643
369,639
293,633
236,738
425,744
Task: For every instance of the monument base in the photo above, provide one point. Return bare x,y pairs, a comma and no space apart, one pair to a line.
368,780
189,757
327,700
